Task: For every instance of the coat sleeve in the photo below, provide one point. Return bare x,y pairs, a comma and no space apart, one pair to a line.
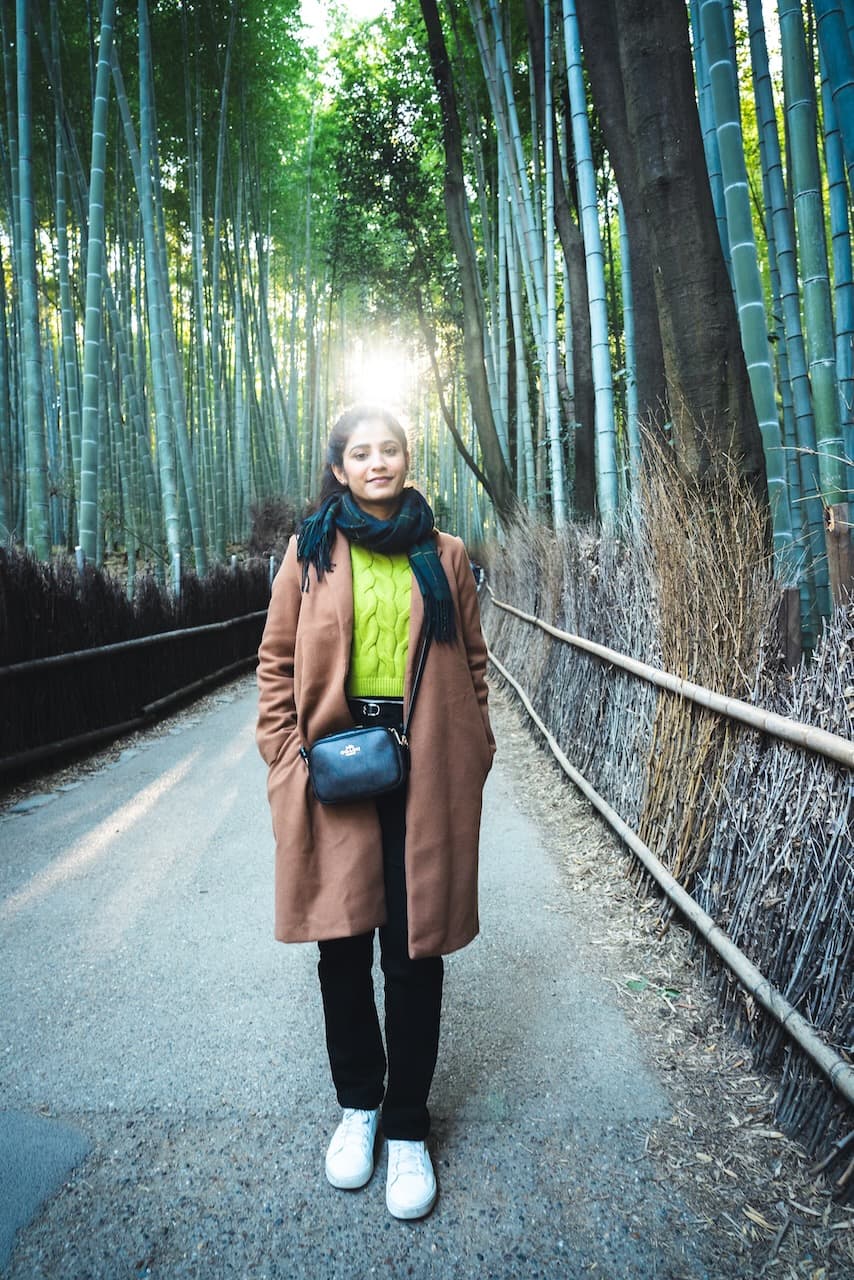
277,711
472,634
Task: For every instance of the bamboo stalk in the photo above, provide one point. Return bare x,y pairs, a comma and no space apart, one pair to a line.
839,1072
808,736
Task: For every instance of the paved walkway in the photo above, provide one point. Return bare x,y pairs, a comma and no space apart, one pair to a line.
164,1095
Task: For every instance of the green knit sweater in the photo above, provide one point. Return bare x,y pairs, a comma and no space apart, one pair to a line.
382,589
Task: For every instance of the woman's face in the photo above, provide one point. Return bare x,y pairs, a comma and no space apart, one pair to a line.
374,468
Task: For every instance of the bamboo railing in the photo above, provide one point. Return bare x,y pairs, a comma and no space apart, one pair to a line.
839,1072
808,736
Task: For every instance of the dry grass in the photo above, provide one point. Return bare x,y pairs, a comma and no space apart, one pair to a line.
706,553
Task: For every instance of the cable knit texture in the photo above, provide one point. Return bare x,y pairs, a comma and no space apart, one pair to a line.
382,591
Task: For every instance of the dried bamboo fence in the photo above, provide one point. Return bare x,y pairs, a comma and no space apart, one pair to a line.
81,664
759,829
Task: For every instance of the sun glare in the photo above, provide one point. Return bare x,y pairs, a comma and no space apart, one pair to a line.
316,17
382,372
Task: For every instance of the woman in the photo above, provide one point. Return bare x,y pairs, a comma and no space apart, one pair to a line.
367,576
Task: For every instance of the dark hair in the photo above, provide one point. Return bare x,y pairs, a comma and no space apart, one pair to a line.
341,433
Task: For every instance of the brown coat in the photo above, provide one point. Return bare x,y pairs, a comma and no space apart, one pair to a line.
329,877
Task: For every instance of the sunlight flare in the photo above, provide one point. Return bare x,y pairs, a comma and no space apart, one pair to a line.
382,372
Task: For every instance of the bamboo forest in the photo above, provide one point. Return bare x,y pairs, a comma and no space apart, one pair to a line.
596,257
553,234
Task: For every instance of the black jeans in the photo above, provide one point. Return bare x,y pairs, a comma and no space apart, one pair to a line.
413,1003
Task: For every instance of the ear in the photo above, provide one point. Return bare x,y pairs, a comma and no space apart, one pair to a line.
339,474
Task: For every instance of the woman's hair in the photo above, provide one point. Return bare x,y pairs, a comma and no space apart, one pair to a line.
340,434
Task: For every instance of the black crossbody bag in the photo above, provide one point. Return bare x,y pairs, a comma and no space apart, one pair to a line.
366,762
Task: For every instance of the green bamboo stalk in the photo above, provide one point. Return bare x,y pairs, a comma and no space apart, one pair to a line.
131,362
747,280
121,480
56,523
781,233
797,504
460,229
569,344
286,459
7,470
526,468
95,267
199,332
492,216
162,417
843,276
499,84
707,125
242,456
38,525
174,376
9,153
607,489
202,343
500,309
71,370
837,50
218,371
799,88
550,389
144,492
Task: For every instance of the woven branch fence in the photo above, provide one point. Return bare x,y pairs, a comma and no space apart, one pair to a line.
760,831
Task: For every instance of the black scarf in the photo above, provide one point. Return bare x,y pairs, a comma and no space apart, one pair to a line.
410,530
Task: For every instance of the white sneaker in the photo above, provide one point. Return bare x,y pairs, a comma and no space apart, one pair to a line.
411,1186
350,1158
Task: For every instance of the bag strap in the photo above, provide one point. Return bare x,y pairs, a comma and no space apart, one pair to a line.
419,671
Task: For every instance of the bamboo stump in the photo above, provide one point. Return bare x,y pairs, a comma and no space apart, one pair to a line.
840,559
789,626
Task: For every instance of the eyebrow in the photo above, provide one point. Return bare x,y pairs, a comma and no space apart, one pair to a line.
364,444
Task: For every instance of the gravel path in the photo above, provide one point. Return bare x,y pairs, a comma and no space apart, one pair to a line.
164,1098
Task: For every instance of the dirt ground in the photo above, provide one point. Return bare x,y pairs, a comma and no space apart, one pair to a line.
753,1190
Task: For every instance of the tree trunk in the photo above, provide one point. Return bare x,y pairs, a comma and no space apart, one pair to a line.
665,181
584,486
598,36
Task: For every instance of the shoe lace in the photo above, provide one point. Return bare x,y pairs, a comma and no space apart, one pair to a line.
407,1158
355,1126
